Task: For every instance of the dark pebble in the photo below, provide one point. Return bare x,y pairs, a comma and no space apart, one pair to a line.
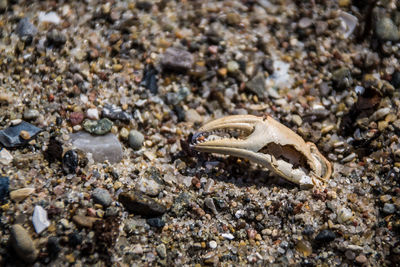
138,203
144,5
4,184
116,113
55,38
10,137
74,239
53,246
70,161
325,236
54,150
396,79
149,79
155,222
26,30
342,79
257,85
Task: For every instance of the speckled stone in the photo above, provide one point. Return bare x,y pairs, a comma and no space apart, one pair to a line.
102,196
23,243
135,139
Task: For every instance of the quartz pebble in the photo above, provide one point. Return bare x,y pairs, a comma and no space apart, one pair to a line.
213,244
106,147
23,243
39,219
26,30
31,114
5,157
92,113
193,116
304,247
344,215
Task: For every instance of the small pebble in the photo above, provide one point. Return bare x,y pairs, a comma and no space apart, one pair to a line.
389,208
4,184
155,222
361,259
20,194
304,247
5,157
84,221
212,244
24,135
92,113
100,127
102,196
161,251
135,139
139,203
31,114
325,236
39,219
176,59
23,243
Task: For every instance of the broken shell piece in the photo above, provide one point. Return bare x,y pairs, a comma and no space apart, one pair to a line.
268,143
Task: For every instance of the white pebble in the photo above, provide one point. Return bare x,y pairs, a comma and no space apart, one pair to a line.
344,215
227,236
213,244
92,113
39,219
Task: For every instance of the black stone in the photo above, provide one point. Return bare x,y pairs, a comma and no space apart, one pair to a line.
396,79
116,113
70,161
155,222
26,30
141,204
74,239
4,184
53,246
325,236
54,150
10,137
149,79
144,5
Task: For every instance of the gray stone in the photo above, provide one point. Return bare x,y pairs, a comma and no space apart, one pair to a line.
99,127
161,251
39,219
31,114
209,202
23,244
105,147
257,85
386,30
342,79
102,197
389,208
26,30
150,182
178,60
10,137
115,113
135,139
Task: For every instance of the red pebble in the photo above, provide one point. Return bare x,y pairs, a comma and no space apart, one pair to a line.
76,118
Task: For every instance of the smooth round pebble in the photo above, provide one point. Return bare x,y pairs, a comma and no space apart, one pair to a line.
102,197
135,139
213,244
23,244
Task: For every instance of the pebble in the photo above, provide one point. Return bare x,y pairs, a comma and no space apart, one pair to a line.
76,118
23,243
149,79
115,113
228,236
5,157
325,236
361,259
257,85
31,114
176,59
39,219
55,38
50,17
344,215
10,137
342,79
92,113
4,184
100,127
84,221
296,119
102,148
26,30
209,202
350,255
232,66
20,194
161,251
24,135
386,30
148,186
53,246
193,116
396,79
155,222
141,204
389,208
212,244
135,139
304,247
102,197
70,161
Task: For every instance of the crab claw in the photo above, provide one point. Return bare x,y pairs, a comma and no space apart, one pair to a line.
266,142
